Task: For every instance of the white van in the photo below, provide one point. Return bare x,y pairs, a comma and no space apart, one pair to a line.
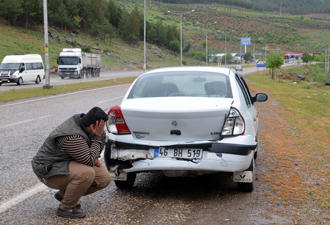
22,68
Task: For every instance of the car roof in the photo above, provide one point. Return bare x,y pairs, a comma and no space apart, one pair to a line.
214,69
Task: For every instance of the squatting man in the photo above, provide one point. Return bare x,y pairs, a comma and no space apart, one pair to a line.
68,160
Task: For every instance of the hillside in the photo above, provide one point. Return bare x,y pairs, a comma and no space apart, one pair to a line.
280,33
115,56
295,7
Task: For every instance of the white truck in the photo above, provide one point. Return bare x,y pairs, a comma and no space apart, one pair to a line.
73,63
21,69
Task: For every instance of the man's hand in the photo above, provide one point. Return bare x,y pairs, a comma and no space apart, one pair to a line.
98,163
98,128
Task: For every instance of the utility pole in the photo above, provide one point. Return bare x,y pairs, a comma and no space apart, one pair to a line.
144,40
181,14
206,47
47,77
328,69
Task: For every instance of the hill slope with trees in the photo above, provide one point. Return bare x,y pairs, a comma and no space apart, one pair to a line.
295,7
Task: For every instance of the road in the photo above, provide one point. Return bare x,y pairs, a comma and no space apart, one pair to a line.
155,199
56,80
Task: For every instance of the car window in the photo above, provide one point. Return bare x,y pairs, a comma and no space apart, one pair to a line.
191,84
245,90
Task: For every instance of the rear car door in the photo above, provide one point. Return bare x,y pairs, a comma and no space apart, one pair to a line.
248,100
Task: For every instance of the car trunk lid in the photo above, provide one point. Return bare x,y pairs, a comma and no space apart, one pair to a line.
176,119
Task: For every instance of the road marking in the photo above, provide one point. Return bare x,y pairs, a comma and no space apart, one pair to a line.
108,100
24,121
7,204
61,95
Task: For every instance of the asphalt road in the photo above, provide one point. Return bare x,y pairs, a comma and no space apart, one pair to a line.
56,80
155,199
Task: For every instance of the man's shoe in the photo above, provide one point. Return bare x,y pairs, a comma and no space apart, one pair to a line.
74,214
60,198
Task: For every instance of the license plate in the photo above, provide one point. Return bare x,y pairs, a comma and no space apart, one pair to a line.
4,80
184,153
243,177
117,175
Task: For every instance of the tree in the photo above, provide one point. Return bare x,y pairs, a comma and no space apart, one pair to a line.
175,46
248,56
203,44
129,26
320,58
11,10
114,13
106,29
274,61
307,58
229,57
187,47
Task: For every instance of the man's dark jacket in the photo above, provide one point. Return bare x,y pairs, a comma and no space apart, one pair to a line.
52,161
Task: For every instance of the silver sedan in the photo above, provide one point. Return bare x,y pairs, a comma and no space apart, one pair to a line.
184,121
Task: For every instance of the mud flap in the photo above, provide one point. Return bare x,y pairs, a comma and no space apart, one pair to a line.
243,176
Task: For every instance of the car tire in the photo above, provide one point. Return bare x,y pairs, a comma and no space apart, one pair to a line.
20,81
128,183
37,81
247,187
62,77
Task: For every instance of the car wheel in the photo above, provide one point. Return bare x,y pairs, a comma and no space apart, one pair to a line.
62,77
37,80
247,187
20,81
0,84
128,183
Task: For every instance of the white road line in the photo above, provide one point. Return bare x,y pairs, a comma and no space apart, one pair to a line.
108,100
61,95
7,204
24,121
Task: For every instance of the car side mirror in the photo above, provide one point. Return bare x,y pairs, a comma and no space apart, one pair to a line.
260,97
58,61
21,70
80,60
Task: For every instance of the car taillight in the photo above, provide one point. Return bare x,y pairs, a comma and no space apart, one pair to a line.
116,123
234,124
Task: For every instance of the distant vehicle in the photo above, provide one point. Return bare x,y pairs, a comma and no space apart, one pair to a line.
184,121
239,68
21,69
73,63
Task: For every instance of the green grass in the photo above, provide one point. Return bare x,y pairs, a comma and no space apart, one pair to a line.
16,94
307,114
314,72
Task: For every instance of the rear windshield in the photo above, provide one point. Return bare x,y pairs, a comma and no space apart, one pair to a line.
190,84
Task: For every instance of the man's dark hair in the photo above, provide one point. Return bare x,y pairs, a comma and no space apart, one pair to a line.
93,115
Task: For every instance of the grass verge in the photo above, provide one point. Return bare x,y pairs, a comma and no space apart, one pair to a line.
295,141
37,92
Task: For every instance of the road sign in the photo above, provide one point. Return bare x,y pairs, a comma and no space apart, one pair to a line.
245,41
261,65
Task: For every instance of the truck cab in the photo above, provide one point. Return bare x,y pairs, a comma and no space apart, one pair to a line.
70,63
